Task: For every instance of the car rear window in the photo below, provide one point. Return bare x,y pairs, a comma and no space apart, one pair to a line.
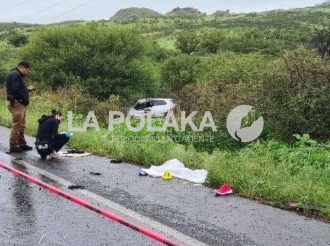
159,102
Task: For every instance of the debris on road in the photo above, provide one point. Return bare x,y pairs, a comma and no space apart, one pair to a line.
224,190
41,238
96,174
294,205
76,151
116,161
73,187
143,174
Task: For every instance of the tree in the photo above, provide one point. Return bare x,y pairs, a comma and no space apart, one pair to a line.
17,39
179,71
249,40
102,60
294,97
322,40
187,42
211,40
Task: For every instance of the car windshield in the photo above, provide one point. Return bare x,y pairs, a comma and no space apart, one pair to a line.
142,105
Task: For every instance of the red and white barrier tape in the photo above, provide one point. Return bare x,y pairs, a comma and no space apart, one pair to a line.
89,206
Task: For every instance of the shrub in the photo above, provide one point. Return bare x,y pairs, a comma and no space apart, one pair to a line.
17,39
103,60
187,42
212,40
179,71
248,40
295,97
233,68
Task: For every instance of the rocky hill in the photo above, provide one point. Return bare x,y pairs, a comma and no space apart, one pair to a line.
184,12
135,13
221,13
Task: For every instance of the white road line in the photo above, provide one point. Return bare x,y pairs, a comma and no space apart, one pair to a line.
174,234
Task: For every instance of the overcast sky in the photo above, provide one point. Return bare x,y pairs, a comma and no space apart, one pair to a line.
39,11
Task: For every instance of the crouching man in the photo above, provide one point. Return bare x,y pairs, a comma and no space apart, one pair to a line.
49,141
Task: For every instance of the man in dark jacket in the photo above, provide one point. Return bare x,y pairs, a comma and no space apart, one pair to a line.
18,100
49,141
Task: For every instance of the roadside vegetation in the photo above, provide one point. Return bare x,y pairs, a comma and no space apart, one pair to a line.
276,61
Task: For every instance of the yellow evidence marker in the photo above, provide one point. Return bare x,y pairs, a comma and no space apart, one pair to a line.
167,175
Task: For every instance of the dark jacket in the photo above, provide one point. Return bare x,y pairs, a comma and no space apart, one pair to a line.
48,130
16,88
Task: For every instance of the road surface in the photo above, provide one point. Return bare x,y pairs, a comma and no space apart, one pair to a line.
179,210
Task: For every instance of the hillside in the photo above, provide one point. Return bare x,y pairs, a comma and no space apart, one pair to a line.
326,3
11,25
134,13
184,12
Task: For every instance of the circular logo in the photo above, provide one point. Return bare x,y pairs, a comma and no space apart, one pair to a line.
234,125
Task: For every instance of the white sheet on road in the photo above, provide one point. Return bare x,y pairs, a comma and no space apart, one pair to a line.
178,170
64,154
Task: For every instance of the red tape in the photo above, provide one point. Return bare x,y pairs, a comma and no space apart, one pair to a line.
89,206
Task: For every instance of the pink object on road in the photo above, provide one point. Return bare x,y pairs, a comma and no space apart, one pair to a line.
224,190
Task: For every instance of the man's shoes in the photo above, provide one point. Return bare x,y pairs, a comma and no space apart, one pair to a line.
54,154
15,150
26,148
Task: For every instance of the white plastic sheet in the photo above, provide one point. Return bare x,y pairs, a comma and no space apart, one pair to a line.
64,154
178,170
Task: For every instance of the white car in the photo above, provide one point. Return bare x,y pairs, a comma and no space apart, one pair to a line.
157,107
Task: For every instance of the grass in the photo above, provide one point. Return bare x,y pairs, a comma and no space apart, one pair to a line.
272,172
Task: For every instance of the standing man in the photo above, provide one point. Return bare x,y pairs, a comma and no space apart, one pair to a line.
18,100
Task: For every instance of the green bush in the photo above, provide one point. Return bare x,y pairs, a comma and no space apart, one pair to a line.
233,68
187,42
179,71
103,60
17,39
294,98
248,40
7,52
212,40
3,75
321,40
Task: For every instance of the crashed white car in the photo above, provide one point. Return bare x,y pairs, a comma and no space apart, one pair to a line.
156,107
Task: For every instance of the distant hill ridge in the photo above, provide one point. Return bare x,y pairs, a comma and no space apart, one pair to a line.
15,24
135,13
188,11
326,3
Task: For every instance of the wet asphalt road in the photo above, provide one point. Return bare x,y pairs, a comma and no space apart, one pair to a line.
27,213
33,216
